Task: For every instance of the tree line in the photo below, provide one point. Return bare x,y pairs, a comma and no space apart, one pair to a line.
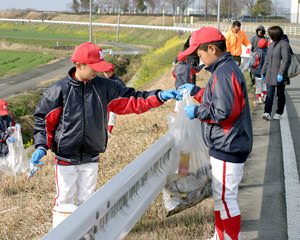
229,8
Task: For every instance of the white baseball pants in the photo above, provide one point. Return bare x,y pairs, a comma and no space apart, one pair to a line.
260,85
226,177
75,182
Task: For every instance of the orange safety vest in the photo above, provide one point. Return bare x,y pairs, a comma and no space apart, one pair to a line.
234,42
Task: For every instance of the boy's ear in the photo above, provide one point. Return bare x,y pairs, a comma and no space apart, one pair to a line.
212,48
78,65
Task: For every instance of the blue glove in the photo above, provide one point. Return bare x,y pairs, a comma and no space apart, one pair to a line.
190,111
262,76
37,156
169,94
35,159
18,126
187,86
279,78
11,140
249,63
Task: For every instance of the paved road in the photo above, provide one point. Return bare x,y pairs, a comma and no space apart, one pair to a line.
30,79
262,191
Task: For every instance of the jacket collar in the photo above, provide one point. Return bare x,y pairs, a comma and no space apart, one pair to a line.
224,58
75,82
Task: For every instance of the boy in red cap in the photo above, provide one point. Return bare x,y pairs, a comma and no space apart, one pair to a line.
110,73
257,63
183,71
71,119
6,121
226,125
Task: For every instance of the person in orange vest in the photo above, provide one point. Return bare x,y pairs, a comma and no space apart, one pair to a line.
235,38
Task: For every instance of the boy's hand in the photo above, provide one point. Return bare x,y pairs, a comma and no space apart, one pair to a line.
37,156
190,111
279,78
187,86
35,159
12,140
169,94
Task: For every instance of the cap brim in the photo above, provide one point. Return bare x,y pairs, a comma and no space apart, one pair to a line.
102,66
4,112
190,50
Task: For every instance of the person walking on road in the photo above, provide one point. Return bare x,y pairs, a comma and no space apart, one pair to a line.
257,63
260,33
192,59
226,126
235,38
274,71
71,119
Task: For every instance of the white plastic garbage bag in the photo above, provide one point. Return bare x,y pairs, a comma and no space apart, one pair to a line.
189,182
16,160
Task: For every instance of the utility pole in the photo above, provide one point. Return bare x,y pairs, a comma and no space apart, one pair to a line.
219,14
90,38
118,23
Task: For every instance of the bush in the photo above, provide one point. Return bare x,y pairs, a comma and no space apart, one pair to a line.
158,61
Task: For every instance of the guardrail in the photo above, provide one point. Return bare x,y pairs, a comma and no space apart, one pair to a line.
113,210
289,30
148,27
111,52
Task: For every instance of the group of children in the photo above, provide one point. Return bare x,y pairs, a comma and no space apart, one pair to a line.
71,119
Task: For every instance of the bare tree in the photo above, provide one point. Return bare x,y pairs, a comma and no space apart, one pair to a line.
85,5
250,5
75,6
173,4
183,4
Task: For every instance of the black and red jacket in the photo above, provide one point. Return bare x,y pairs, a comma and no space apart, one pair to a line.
183,73
258,60
224,111
5,122
71,117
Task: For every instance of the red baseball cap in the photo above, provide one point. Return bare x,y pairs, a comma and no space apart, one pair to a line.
263,43
181,57
3,107
202,36
91,55
110,68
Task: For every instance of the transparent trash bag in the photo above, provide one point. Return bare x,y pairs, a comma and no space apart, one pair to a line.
16,160
189,181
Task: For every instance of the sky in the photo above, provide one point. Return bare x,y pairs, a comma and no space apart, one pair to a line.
58,5
43,5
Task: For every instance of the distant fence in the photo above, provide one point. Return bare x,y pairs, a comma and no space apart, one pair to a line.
147,27
249,28
184,27
115,208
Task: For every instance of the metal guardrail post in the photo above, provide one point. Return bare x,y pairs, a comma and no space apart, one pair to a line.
115,208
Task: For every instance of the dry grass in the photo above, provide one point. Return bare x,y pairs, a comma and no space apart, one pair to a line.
26,204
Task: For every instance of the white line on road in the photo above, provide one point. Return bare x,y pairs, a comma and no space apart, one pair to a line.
291,179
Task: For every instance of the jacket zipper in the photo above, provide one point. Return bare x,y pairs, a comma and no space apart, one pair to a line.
83,107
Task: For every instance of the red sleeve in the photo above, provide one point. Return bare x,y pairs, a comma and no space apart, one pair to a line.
199,95
256,61
134,102
51,121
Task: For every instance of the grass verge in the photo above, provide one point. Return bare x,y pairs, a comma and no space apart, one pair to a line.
12,62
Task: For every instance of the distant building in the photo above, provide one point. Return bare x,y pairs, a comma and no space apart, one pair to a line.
295,16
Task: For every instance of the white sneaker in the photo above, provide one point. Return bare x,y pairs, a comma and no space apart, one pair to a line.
276,116
266,116
109,134
259,100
